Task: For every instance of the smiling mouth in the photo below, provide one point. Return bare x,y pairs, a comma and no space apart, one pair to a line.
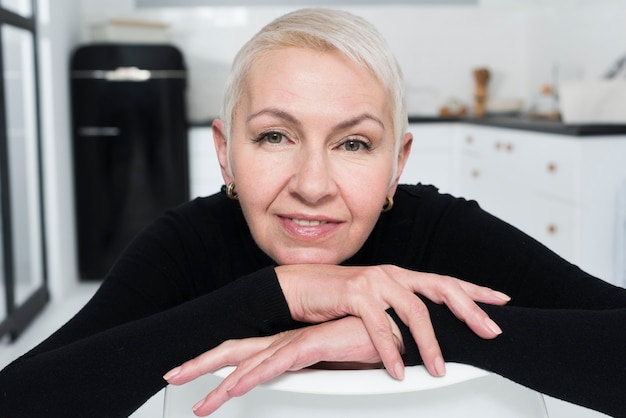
309,228
305,222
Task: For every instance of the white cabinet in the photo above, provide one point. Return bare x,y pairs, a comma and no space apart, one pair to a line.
561,190
429,161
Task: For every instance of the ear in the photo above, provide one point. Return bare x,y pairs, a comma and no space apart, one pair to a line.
219,139
403,156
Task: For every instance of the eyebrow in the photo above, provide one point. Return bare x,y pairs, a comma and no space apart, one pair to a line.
281,114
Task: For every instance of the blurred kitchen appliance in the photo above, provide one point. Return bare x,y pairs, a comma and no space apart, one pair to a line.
593,102
129,145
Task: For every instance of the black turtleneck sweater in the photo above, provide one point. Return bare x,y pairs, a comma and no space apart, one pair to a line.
195,278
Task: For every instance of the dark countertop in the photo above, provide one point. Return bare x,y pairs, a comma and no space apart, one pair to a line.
524,123
550,126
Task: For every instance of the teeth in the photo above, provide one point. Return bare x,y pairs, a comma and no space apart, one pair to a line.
304,222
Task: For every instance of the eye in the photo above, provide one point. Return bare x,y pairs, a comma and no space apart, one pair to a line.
355,145
273,138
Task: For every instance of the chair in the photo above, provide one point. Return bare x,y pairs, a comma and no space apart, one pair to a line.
465,391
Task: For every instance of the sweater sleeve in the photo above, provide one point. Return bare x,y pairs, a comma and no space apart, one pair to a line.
112,372
563,329
150,315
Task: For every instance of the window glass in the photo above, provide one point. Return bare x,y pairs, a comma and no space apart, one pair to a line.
3,291
20,7
19,85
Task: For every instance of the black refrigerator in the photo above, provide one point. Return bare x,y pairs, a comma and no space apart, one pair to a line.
129,144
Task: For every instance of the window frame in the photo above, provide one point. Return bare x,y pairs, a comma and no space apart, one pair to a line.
19,317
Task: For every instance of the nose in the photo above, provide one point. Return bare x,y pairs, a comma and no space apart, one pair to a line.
313,180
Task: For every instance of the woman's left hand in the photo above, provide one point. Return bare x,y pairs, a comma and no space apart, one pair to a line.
261,359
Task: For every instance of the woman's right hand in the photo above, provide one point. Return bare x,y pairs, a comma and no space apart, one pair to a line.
317,292
333,344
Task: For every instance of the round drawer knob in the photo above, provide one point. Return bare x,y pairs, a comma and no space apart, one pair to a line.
469,139
552,167
475,173
509,147
552,229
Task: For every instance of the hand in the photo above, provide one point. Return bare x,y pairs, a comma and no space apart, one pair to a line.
261,359
317,293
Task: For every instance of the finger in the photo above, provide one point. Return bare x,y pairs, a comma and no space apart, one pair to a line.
460,297
431,285
415,315
220,395
376,322
484,294
211,402
260,368
463,306
230,352
465,309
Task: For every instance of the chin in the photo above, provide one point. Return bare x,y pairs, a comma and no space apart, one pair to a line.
309,256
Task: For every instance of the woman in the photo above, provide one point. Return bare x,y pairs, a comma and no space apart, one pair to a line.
312,253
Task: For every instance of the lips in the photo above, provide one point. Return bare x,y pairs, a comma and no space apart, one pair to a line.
306,222
308,228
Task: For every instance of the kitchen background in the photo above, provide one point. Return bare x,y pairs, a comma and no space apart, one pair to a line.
526,44
522,42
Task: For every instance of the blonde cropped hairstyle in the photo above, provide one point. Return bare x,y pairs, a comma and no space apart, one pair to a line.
322,30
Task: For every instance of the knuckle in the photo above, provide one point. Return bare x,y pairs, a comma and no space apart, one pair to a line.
381,328
228,345
448,282
363,282
357,285
418,311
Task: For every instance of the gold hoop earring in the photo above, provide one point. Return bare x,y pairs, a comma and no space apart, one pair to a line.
230,191
388,204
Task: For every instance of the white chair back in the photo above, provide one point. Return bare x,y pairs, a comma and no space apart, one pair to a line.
465,391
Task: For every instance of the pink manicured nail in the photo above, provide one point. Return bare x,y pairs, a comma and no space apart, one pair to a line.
502,296
198,405
398,371
174,372
440,366
493,326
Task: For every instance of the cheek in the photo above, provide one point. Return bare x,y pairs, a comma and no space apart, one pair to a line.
365,191
257,179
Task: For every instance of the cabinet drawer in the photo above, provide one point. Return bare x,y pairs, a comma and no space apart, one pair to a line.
475,179
555,169
475,141
529,161
555,224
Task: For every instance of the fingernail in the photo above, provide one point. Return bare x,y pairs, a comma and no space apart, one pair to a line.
502,296
493,326
398,371
198,405
174,372
440,366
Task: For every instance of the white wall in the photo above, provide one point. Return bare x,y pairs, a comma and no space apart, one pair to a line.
583,39
521,42
58,34
437,46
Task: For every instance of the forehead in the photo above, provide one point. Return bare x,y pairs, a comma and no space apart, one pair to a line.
305,79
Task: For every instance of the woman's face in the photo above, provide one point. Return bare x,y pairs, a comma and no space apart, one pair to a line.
312,155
